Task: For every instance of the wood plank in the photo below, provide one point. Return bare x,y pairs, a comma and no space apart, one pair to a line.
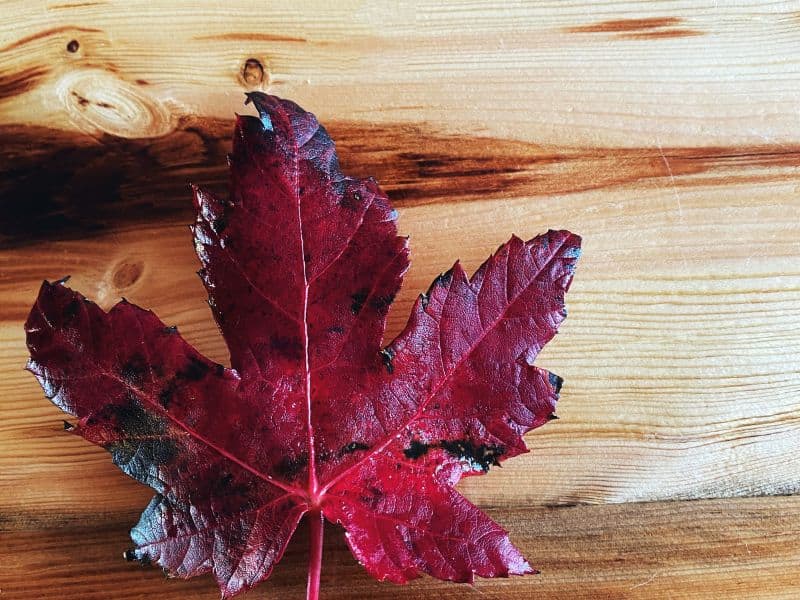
743,548
77,186
608,73
666,133
680,355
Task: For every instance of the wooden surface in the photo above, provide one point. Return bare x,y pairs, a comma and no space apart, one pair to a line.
666,133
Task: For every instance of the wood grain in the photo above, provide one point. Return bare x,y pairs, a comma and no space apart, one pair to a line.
666,133
673,383
743,548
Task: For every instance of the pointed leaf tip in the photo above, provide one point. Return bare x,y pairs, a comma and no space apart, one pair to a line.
259,101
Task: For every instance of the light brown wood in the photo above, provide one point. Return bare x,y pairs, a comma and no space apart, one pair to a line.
680,353
666,133
744,548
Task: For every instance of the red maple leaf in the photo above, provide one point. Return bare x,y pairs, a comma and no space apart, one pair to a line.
313,418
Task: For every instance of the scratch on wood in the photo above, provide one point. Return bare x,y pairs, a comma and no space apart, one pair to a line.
644,583
671,177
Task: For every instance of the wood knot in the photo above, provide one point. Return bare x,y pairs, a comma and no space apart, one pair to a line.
99,101
253,73
126,274
73,46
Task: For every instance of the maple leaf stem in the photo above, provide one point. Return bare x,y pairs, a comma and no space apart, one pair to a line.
316,521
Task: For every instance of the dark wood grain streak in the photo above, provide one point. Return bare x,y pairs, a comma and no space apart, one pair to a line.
744,547
53,31
618,25
69,5
57,185
661,33
13,83
639,29
60,185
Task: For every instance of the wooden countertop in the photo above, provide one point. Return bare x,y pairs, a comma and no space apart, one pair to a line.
666,133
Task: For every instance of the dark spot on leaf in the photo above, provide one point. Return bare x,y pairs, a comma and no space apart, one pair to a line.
134,370
350,201
416,449
352,447
555,381
140,458
194,370
370,502
482,456
372,496
71,310
132,420
219,225
336,329
382,303
290,467
444,278
358,301
165,395
307,258
387,355
288,346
